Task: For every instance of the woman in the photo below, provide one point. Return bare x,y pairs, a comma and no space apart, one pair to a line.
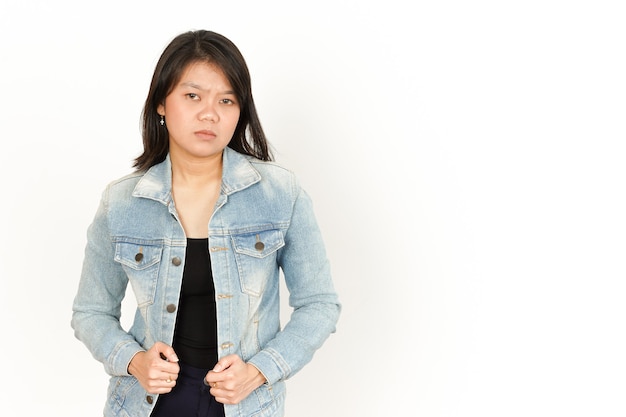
201,232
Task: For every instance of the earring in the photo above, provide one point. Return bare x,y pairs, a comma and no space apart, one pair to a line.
162,121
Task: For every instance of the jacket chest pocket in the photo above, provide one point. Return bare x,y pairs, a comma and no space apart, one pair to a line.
255,254
141,264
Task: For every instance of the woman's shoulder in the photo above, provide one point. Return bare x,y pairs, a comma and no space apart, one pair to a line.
122,187
128,180
243,165
276,173
271,167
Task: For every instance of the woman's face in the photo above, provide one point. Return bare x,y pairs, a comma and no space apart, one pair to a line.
201,113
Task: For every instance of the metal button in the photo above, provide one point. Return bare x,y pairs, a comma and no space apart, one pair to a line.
149,399
176,261
259,245
170,308
139,257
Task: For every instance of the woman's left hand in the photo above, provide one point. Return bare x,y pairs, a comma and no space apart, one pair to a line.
231,379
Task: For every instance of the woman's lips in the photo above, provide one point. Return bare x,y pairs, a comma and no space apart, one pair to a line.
205,134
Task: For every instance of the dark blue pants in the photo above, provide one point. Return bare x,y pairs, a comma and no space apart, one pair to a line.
189,398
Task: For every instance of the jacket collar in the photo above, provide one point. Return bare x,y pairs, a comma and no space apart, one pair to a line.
237,174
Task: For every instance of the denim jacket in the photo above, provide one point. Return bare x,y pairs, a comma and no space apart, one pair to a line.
263,223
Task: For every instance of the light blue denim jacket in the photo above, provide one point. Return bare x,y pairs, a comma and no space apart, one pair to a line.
263,222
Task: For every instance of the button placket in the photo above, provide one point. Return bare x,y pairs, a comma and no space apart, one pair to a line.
176,261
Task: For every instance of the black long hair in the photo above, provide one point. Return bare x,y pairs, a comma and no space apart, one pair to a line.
185,49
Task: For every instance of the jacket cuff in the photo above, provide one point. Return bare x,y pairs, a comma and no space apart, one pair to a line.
271,365
121,357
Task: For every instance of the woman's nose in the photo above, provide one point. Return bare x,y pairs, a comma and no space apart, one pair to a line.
208,113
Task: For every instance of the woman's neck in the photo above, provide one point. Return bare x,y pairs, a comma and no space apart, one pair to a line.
195,188
196,173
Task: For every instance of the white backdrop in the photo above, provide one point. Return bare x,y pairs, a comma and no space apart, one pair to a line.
466,161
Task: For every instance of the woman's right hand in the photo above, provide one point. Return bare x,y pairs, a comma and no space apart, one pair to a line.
156,369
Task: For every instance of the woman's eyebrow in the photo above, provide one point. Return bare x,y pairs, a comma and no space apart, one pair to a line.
198,87
192,85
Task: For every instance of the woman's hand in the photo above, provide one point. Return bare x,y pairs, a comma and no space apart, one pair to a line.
232,380
156,369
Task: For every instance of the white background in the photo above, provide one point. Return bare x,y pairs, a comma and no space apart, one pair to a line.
466,162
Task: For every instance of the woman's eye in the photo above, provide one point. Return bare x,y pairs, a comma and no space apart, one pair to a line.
192,96
227,101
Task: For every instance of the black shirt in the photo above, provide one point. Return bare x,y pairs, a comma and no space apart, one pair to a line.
195,335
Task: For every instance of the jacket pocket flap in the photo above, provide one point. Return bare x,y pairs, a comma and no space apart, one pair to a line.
259,244
137,256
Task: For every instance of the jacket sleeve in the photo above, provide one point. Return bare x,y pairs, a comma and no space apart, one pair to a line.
316,307
96,310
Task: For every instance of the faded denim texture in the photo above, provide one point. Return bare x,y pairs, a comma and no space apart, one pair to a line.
263,222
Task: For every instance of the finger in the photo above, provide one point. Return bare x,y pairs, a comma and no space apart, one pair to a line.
169,378
166,352
211,380
215,381
216,389
225,363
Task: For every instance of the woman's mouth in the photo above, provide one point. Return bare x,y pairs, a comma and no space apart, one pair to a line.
205,134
